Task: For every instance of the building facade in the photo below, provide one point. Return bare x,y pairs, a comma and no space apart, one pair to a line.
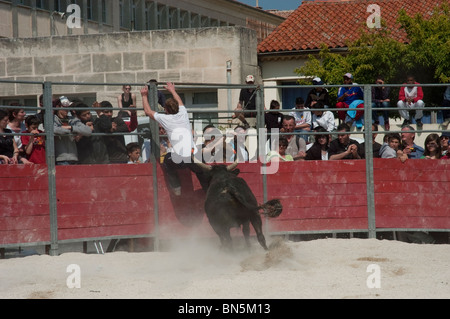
37,18
129,41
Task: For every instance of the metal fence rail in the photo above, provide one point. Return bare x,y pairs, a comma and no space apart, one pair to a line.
47,89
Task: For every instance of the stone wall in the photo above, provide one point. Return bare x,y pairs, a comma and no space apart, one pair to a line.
185,55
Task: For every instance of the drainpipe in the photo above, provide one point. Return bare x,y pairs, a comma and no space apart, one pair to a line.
229,82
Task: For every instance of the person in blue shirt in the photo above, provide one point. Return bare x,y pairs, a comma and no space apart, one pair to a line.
350,97
410,148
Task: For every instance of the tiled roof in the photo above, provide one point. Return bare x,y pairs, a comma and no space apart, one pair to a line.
281,13
335,23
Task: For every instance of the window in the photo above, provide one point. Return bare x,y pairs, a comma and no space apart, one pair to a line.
121,18
104,17
205,98
204,101
89,9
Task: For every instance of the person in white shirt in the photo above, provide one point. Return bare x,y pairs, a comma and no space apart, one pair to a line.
323,118
179,131
302,117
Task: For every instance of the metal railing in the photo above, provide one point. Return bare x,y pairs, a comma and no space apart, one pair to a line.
47,91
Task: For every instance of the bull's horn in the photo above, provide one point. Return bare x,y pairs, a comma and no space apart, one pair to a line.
204,166
232,166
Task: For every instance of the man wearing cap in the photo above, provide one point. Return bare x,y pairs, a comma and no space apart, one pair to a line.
318,94
247,101
444,138
348,95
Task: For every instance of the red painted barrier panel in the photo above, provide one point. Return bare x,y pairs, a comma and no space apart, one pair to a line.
319,195
104,200
24,212
414,194
118,200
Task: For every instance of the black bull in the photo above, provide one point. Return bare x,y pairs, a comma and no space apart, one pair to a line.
231,203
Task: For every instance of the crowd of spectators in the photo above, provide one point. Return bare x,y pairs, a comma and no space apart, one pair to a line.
75,142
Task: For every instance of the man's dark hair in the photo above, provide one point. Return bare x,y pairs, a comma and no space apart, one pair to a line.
299,100
343,126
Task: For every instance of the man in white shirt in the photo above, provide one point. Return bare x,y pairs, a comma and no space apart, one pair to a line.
179,131
302,117
322,118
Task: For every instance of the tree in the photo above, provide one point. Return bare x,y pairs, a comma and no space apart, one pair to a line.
426,55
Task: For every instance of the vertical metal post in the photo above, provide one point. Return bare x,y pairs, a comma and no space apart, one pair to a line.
229,82
260,125
368,142
154,157
50,154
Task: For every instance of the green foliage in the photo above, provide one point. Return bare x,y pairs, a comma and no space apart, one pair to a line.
426,56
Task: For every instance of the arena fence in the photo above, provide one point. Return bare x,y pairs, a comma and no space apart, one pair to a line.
51,205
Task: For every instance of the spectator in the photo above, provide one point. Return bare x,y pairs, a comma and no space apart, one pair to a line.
67,133
179,131
17,125
444,139
323,118
350,97
273,119
34,145
280,155
91,149
380,99
238,144
446,104
412,150
319,150
447,153
164,144
9,153
125,101
296,145
433,148
375,145
411,96
132,124
41,113
318,94
303,120
134,153
247,101
115,144
343,147
213,140
390,149
161,96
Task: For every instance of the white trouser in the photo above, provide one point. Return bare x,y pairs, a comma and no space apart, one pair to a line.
405,113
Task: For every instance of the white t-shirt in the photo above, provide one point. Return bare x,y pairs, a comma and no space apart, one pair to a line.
179,131
301,116
327,121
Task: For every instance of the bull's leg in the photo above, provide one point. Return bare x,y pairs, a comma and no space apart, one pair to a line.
257,225
224,235
246,232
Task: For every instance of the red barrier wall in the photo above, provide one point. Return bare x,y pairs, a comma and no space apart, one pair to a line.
24,216
414,194
117,200
319,195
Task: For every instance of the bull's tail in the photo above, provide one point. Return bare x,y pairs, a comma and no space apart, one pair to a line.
272,208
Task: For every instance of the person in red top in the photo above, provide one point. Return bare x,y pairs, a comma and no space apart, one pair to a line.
34,145
411,96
